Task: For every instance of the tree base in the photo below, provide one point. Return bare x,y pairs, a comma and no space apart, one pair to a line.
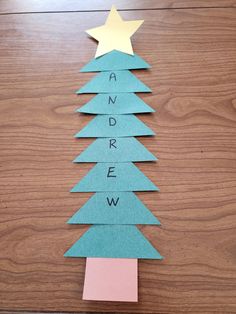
111,279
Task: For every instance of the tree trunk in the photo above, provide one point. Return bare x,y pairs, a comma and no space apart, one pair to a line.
111,279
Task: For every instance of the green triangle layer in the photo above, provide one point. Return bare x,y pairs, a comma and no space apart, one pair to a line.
119,149
120,103
115,60
115,126
114,82
112,177
122,208
113,241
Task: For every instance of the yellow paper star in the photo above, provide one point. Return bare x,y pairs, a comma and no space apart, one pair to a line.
114,34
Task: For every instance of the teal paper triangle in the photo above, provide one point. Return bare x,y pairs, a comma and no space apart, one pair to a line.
114,82
121,208
124,176
115,60
115,126
113,241
119,149
121,103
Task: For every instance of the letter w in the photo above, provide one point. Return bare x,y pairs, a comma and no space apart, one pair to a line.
112,201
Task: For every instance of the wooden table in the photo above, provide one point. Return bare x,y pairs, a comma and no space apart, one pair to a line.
191,46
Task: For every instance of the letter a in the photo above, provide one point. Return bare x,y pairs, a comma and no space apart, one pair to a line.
112,76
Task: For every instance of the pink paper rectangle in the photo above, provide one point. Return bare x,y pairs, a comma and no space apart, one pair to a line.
111,279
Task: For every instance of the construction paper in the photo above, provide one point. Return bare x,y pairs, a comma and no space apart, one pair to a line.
115,60
111,279
119,149
115,241
114,177
115,126
114,208
114,82
120,103
114,34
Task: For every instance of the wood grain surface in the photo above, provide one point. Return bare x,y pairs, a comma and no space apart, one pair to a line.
193,78
21,6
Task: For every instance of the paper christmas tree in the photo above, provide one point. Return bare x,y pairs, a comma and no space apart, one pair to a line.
114,243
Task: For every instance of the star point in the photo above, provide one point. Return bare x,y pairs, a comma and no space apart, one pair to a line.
114,34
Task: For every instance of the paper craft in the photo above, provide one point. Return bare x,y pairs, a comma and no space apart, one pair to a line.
114,177
115,60
111,279
114,208
114,34
113,241
114,82
119,149
115,126
114,104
